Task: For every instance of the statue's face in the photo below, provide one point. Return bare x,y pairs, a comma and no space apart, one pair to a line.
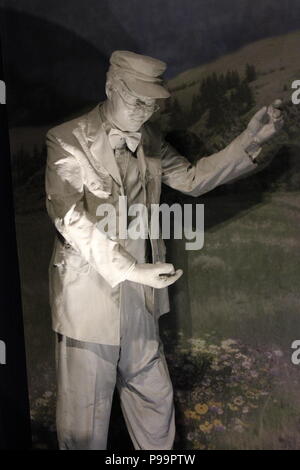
129,110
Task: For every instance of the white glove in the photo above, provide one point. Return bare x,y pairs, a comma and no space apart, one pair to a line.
266,122
157,275
262,127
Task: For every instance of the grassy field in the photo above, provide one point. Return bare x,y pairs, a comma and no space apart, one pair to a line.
236,310
243,286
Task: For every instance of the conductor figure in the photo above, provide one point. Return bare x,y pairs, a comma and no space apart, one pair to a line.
108,292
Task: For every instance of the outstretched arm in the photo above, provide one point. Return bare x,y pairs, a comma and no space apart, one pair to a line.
238,158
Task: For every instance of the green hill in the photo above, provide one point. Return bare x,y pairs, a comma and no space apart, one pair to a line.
276,60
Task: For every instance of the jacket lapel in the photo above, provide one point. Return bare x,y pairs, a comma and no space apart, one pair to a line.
141,161
91,135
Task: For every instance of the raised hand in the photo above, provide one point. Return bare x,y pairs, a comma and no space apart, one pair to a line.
266,122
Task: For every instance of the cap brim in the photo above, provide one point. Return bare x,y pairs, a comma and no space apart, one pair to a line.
147,89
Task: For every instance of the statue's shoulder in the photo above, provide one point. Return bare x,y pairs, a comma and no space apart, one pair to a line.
66,128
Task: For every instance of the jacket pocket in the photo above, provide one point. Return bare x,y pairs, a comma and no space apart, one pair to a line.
75,262
98,183
67,259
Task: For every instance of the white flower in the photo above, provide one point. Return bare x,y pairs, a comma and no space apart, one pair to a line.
278,353
225,344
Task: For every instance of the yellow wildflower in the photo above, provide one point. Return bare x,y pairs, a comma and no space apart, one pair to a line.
199,446
232,407
201,408
217,422
206,427
216,404
238,401
189,413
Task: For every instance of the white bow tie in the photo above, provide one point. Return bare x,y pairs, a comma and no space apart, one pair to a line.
117,139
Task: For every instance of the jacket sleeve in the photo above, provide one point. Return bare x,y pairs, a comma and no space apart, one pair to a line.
65,206
208,172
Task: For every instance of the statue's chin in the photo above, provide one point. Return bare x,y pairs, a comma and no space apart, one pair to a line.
133,126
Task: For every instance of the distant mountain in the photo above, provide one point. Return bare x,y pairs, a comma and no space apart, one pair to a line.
276,59
277,64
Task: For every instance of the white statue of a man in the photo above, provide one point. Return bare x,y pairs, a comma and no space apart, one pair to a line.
107,293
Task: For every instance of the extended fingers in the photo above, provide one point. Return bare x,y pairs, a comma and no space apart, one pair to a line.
278,103
258,116
165,268
256,121
276,114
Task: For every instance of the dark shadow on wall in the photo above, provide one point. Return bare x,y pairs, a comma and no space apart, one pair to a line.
221,206
51,72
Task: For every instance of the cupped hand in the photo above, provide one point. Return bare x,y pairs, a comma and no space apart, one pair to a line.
157,275
266,122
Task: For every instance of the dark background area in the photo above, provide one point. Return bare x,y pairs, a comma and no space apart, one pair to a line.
56,52
14,405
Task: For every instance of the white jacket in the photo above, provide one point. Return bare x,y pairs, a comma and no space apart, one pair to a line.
87,267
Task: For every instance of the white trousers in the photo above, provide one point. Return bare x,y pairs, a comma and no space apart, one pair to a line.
87,374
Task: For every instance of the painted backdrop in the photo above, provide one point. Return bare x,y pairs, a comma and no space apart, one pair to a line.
235,312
